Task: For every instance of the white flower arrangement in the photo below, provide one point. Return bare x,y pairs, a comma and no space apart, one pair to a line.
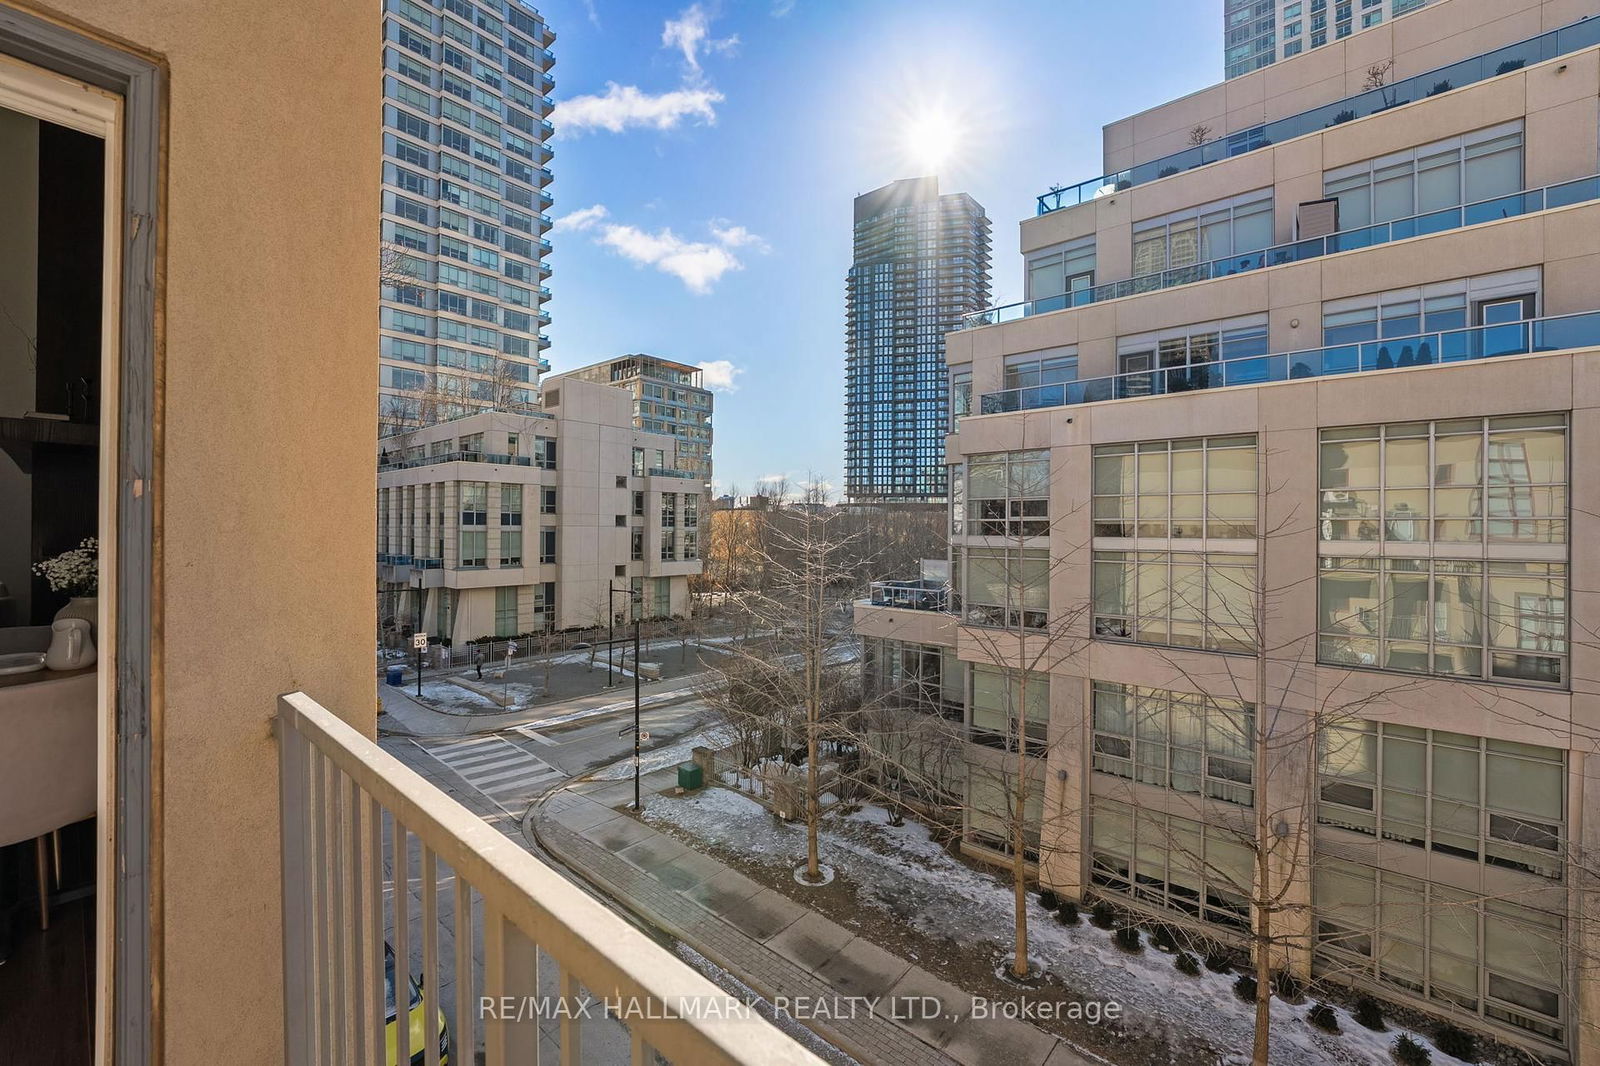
75,572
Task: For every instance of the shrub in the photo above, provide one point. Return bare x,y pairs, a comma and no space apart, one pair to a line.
1245,988
1067,913
1369,1014
1167,172
1287,987
1454,1040
1323,1017
1219,961
1163,939
1407,1052
1186,964
1048,899
1344,116
1102,915
1127,938
1440,87
1509,65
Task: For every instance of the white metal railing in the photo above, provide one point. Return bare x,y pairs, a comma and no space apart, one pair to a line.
353,820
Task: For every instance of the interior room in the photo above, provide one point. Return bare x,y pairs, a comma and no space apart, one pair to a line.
52,225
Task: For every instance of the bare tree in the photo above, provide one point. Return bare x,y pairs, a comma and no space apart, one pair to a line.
1199,135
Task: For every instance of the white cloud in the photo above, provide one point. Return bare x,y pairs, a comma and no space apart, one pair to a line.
737,236
698,264
690,33
781,8
718,375
581,219
622,106
592,12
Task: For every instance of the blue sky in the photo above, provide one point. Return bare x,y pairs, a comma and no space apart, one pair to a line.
707,155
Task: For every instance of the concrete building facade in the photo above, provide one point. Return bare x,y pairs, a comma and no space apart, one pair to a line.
1279,509
465,201
920,262
668,397
516,522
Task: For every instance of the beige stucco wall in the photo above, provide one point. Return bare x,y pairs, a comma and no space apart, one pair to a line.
265,443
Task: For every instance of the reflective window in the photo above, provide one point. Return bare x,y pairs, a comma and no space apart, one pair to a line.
1177,740
1181,489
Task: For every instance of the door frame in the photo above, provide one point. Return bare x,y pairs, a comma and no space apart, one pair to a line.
128,956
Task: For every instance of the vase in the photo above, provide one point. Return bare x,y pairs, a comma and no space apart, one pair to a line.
85,607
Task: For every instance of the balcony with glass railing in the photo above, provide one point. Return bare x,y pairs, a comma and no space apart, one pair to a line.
1443,348
662,471
397,463
380,869
1546,46
1512,205
915,595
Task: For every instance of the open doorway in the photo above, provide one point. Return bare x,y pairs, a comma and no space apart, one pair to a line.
56,345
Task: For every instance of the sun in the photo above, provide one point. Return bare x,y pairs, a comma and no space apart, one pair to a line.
932,137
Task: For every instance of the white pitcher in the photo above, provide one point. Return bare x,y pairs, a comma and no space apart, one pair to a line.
71,647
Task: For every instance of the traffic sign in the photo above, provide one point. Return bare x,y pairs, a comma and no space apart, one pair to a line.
419,641
625,730
643,736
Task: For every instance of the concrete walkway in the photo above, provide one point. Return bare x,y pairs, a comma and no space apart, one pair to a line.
782,950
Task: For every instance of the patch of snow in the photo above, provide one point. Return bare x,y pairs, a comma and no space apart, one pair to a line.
657,758
902,870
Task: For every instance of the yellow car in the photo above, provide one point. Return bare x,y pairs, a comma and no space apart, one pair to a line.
417,1021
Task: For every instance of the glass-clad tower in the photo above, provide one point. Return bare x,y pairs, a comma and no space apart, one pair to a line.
921,261
1258,33
466,98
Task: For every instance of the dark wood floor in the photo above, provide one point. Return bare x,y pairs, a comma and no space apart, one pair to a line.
47,983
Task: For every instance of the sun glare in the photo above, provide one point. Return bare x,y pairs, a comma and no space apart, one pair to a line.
931,138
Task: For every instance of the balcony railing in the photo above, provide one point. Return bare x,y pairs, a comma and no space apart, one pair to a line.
911,595
661,471
360,829
1581,190
458,457
1560,42
416,562
1423,349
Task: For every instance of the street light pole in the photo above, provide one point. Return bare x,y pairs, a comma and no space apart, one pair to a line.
611,617
637,603
419,630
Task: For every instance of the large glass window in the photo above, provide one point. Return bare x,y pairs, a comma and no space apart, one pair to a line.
1463,481
474,503
474,547
505,611
992,797
1009,706
1181,599
1003,588
1478,166
1177,740
1182,489
920,676
1205,871
1444,501
1494,801
1062,271
1466,618
1054,367
1202,234
1493,957
1008,494
511,505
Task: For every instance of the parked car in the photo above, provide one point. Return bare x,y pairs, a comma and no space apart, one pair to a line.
417,1020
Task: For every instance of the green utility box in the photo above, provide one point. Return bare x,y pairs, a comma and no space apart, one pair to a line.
690,776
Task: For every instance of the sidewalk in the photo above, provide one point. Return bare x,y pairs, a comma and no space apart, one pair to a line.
776,946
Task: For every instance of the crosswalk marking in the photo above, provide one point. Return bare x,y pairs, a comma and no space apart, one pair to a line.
500,770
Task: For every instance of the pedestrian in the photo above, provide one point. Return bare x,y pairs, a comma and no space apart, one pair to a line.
477,661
